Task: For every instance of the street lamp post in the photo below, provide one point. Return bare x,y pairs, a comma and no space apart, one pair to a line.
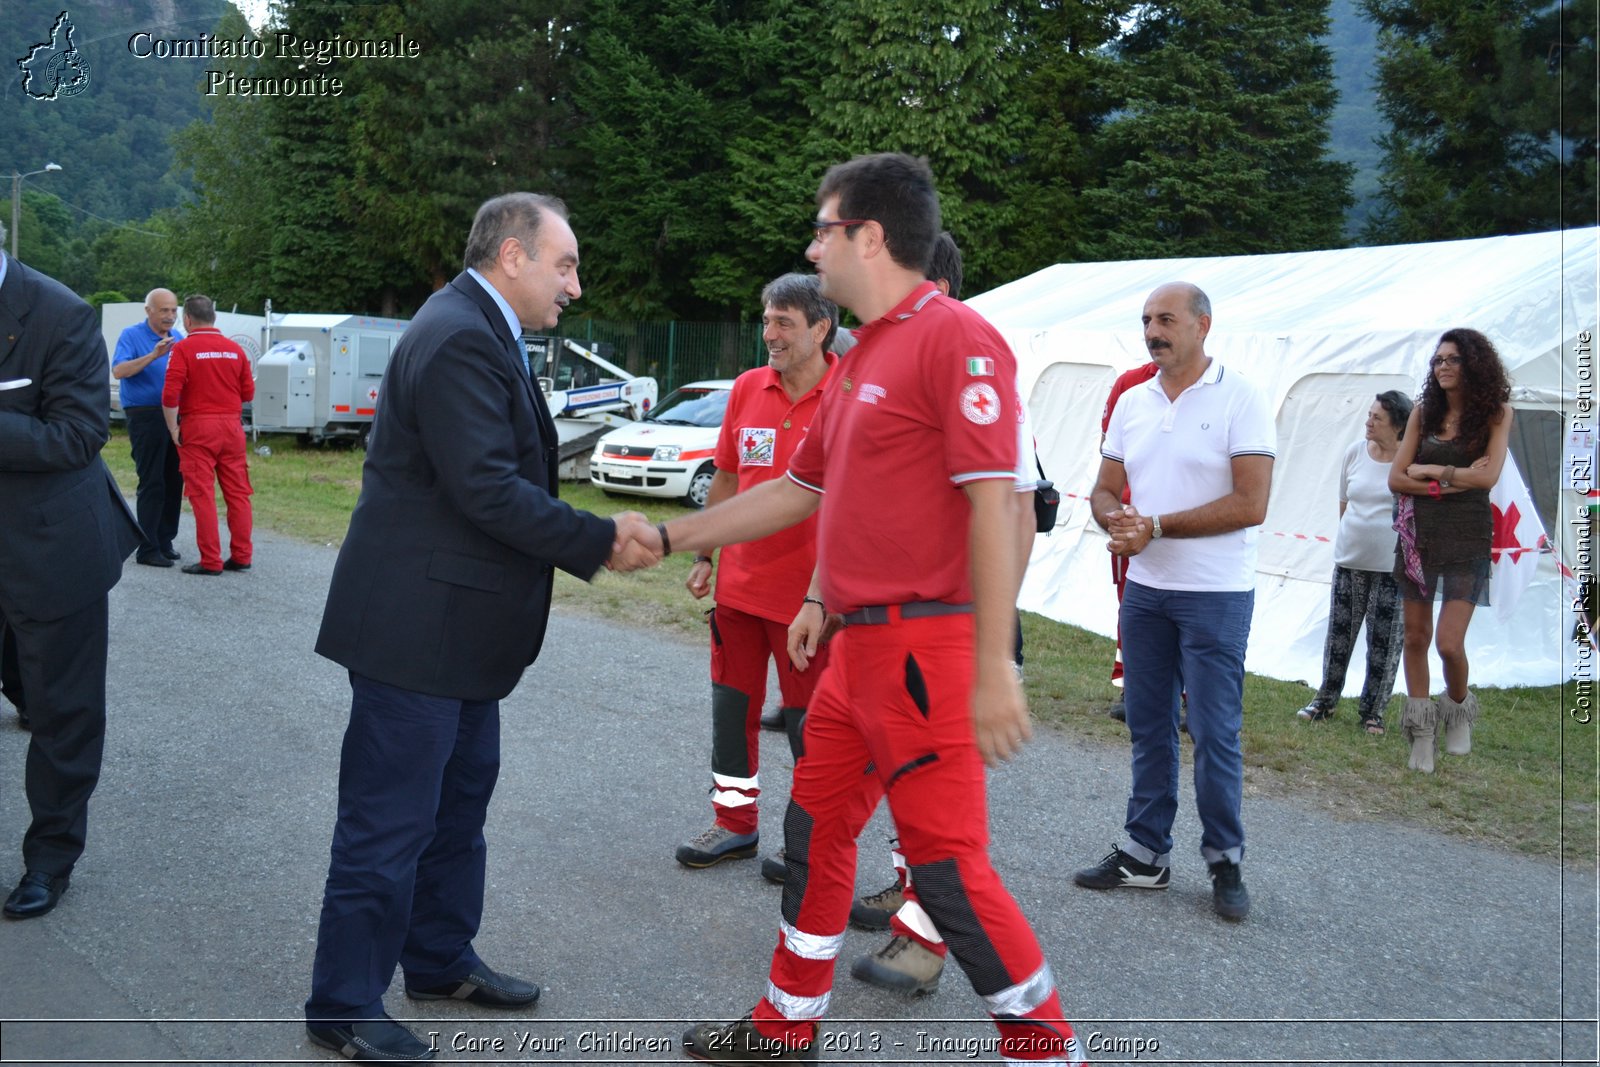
16,201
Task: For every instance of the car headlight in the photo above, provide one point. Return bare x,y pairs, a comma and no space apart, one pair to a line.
668,453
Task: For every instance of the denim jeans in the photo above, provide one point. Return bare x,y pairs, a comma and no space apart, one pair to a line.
1172,642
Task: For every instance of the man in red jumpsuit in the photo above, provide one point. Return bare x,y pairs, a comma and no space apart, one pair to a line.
762,583
208,382
915,447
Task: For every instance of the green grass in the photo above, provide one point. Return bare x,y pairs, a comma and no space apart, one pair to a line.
1532,765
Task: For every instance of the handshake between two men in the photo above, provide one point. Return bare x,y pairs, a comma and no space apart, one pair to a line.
637,544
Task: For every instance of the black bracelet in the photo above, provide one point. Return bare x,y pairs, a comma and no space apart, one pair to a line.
666,542
702,559
814,600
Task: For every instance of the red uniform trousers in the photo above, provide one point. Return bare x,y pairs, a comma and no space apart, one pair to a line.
740,646
892,716
213,451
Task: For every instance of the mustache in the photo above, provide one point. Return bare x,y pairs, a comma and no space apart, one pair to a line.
1153,345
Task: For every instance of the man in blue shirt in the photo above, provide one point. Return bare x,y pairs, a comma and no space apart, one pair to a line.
140,367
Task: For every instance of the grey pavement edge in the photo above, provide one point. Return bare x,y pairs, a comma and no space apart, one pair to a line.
188,932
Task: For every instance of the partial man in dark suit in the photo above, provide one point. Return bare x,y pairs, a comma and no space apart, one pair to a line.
64,532
438,603
11,675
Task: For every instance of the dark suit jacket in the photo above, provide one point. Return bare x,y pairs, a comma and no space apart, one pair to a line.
443,582
64,526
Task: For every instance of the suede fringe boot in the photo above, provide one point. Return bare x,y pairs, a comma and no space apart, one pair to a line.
1458,720
1418,724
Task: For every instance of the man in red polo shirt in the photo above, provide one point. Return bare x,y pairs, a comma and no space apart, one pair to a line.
915,447
208,382
762,583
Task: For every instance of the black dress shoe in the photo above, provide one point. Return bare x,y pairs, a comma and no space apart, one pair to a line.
231,565
171,553
196,568
481,986
23,722
370,1041
154,559
35,895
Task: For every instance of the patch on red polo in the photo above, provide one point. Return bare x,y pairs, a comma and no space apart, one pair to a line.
980,403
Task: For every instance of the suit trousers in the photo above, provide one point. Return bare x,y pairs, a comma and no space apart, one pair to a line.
62,664
159,499
406,880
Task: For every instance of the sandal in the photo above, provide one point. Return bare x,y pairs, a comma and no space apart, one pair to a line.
1312,713
1373,727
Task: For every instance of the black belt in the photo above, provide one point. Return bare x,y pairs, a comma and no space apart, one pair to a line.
878,614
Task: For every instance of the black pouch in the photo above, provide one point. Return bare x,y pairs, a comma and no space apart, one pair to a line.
1046,501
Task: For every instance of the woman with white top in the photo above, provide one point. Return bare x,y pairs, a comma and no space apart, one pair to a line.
1364,588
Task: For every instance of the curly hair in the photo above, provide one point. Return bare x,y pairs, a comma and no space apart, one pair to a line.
1484,385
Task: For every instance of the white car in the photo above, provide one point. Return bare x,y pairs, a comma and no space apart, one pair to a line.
669,452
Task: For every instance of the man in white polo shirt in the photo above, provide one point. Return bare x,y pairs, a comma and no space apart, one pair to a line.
1195,444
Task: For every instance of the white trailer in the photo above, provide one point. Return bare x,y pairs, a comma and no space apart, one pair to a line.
321,374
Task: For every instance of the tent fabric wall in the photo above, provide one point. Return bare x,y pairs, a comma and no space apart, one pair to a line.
1320,333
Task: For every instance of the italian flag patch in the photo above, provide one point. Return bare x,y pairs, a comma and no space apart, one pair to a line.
980,366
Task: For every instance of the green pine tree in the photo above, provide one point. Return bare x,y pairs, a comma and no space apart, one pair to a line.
1491,105
932,80
1220,146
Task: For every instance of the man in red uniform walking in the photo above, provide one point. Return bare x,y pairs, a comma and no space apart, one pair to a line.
762,583
208,382
915,447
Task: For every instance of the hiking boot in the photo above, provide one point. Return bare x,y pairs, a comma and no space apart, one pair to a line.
1229,898
1119,710
741,1043
903,965
1120,869
716,844
874,912
775,869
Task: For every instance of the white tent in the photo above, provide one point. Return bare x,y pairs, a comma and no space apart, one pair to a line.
1321,333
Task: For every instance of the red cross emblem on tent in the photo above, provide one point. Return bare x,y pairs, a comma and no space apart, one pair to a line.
372,394
1505,533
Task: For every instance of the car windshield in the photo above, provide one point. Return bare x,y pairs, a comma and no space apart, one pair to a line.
691,407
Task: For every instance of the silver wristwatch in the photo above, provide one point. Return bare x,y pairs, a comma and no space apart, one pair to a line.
1155,527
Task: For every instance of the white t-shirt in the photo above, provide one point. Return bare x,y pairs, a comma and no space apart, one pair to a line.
1178,455
1365,541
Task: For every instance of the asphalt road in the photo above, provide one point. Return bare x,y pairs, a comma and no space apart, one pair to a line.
188,933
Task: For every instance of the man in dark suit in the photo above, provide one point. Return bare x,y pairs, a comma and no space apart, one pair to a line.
438,604
64,532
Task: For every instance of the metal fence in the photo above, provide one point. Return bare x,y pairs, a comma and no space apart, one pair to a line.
674,352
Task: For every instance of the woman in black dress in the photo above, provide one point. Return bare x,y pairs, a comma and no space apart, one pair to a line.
1449,459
